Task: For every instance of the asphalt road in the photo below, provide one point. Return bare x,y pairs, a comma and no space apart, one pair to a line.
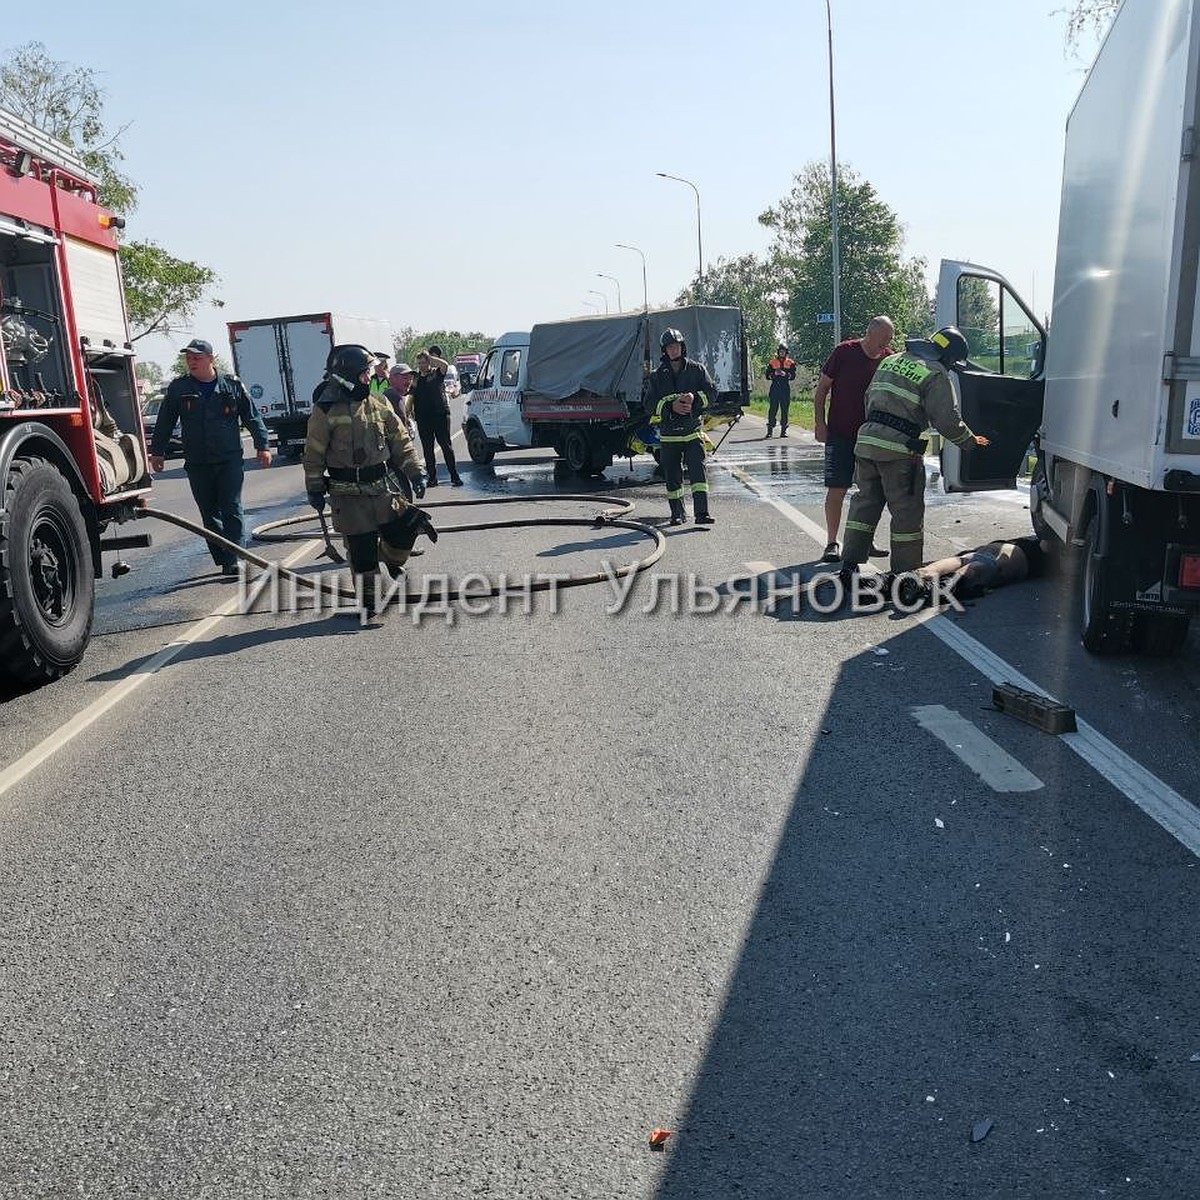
467,903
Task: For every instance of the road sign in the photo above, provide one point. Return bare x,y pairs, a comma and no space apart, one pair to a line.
824,318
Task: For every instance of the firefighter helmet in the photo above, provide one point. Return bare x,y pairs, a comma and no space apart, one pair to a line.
348,363
670,336
950,345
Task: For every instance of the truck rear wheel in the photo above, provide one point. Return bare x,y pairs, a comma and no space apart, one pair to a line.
477,446
47,587
577,450
1099,630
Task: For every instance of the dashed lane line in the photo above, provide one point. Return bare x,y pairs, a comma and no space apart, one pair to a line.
993,764
1157,799
70,730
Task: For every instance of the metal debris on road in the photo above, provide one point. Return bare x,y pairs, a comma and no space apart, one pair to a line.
658,1137
981,1129
1040,711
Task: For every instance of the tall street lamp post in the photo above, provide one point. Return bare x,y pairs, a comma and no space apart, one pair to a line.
833,181
645,290
601,275
594,292
699,244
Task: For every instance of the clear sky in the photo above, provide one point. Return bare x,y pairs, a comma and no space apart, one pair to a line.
471,165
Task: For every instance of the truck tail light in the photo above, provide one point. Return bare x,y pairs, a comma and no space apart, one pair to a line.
1189,571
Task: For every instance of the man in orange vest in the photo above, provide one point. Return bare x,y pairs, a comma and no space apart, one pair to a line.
781,370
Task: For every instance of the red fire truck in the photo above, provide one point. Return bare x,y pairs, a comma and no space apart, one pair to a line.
72,457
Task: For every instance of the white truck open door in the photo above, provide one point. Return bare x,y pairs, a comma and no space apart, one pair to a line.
1000,387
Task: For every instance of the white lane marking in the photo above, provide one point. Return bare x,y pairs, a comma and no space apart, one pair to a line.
994,765
68,732
1160,802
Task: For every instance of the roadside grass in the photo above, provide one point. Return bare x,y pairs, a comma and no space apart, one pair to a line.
800,411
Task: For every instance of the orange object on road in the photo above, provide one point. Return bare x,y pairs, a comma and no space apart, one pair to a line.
658,1136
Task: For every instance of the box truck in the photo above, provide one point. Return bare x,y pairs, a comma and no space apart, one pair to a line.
282,359
1109,394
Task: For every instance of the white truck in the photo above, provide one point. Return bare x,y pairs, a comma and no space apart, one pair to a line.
1110,396
576,386
282,359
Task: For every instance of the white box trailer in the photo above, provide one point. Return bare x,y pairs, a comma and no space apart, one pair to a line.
282,359
1111,393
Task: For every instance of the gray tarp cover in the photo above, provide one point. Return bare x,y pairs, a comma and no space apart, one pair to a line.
604,354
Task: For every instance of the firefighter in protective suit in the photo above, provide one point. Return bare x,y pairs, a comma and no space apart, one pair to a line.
356,445
910,391
677,395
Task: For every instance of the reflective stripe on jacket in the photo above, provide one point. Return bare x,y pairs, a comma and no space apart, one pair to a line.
665,384
916,390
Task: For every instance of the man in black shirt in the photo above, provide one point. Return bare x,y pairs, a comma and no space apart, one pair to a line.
431,410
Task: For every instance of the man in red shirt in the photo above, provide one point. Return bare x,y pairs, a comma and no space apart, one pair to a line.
845,377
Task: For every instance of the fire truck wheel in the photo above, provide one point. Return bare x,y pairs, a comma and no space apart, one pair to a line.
46,583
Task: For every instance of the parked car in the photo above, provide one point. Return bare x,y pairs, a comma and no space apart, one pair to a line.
149,419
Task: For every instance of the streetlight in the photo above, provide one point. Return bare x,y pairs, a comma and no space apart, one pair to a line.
601,275
593,306
645,290
837,282
699,246
594,292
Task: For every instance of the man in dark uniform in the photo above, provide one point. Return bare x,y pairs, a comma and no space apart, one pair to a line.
211,408
676,397
781,371
355,446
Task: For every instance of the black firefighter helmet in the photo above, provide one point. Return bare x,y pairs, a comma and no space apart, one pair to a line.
947,346
672,335
347,363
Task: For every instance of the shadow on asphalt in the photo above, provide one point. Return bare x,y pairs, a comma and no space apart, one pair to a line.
334,625
879,1014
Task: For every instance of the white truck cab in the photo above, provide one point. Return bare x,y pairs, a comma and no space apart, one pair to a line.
493,418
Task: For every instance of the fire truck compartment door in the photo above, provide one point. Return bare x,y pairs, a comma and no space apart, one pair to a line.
96,292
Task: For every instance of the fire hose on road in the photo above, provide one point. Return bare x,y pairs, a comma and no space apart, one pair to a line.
615,516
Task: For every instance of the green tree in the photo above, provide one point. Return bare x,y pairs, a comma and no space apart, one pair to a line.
409,343
150,373
66,102
979,318
873,277
746,283
161,291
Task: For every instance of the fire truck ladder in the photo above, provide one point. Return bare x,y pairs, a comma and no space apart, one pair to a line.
29,138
